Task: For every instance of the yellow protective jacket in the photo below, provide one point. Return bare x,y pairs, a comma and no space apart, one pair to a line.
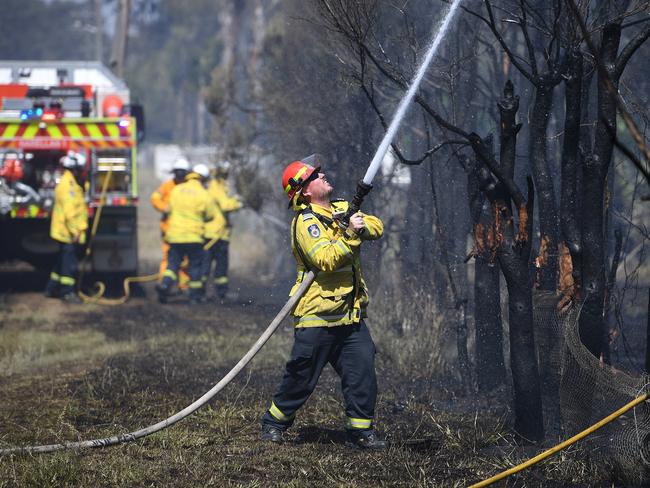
70,212
190,207
160,201
338,295
219,227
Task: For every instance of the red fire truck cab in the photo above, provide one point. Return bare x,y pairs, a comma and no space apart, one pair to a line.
46,109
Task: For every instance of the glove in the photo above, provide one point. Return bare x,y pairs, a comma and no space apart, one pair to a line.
357,224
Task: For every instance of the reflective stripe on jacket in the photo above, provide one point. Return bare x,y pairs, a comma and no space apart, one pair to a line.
219,227
190,206
338,295
70,212
160,201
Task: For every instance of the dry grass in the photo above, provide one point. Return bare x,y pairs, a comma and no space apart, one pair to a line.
166,357
414,335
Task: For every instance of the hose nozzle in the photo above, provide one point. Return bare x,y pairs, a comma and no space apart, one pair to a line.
355,205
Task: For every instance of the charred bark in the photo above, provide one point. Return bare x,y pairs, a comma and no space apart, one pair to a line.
595,168
490,364
611,283
514,264
488,326
514,258
547,260
569,201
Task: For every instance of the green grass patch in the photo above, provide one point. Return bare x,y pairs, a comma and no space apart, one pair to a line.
26,350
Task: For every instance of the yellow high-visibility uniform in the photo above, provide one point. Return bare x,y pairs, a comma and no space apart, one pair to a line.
219,227
190,206
160,201
70,212
338,295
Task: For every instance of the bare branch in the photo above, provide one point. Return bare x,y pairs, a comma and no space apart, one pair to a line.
604,73
629,50
513,58
529,43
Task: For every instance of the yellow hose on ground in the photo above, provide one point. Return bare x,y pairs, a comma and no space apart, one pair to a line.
98,296
568,442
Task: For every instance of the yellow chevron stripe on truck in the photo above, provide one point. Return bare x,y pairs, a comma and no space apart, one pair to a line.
68,133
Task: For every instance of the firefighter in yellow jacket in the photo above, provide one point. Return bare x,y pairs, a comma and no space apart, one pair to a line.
160,201
329,318
217,231
190,207
68,228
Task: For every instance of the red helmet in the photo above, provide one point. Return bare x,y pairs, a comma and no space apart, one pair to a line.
296,175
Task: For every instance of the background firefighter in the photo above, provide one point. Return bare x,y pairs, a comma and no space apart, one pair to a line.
160,201
329,318
217,231
190,206
68,228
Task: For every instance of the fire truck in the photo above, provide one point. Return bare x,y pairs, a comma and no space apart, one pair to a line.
46,110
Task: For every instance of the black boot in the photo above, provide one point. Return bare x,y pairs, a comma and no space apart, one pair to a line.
163,293
197,299
221,291
271,433
51,292
365,439
72,298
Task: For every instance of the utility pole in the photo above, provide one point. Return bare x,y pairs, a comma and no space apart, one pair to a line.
118,51
99,33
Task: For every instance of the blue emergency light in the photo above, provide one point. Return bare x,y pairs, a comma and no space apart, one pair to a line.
31,113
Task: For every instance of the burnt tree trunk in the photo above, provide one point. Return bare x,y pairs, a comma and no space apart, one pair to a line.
595,168
514,259
547,261
523,360
490,364
569,201
488,327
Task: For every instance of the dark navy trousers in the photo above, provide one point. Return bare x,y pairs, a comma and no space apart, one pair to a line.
63,277
194,253
219,254
351,352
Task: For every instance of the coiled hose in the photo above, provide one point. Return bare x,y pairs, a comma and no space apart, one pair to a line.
100,288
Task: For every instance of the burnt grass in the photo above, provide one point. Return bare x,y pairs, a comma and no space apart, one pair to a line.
173,354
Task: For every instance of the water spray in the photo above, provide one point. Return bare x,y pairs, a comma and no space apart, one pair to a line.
363,187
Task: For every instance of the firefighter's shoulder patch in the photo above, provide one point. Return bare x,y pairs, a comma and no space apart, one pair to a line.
307,216
314,231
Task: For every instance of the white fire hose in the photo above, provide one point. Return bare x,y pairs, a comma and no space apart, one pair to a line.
190,409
